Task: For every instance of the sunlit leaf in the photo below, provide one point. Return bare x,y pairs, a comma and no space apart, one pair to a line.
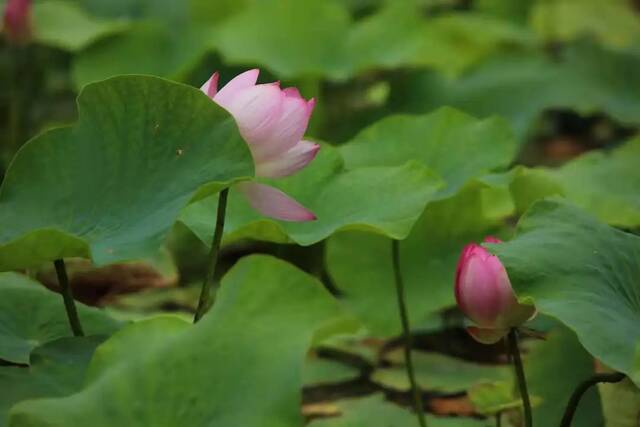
614,22
494,397
457,146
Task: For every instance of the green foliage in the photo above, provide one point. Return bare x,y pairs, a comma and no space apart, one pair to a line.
385,200
620,403
66,26
606,184
519,86
31,316
319,371
100,189
612,22
457,146
438,373
256,336
582,272
56,369
374,411
493,398
360,263
291,37
561,352
452,112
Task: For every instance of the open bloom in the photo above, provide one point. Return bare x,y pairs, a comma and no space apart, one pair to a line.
484,294
17,21
272,121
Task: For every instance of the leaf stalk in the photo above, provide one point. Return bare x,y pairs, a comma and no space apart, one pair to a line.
514,349
67,297
204,302
408,342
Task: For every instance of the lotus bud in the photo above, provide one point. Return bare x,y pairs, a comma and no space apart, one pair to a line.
484,294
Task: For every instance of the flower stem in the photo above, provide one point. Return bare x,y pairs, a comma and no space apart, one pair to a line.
205,293
570,411
67,297
404,318
522,381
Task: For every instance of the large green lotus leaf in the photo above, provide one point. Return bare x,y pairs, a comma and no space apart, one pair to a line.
65,25
613,22
606,183
375,411
255,337
386,200
438,373
289,37
152,333
56,369
31,315
360,263
520,86
582,272
561,352
457,146
110,187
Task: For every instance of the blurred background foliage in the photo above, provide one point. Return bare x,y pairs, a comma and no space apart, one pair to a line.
552,93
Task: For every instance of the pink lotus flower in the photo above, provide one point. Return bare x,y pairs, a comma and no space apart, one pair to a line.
272,121
17,21
484,294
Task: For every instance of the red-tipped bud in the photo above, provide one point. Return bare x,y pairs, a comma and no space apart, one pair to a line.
484,294
17,21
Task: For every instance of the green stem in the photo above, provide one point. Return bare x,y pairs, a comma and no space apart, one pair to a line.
499,419
522,381
67,297
404,318
205,293
614,377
